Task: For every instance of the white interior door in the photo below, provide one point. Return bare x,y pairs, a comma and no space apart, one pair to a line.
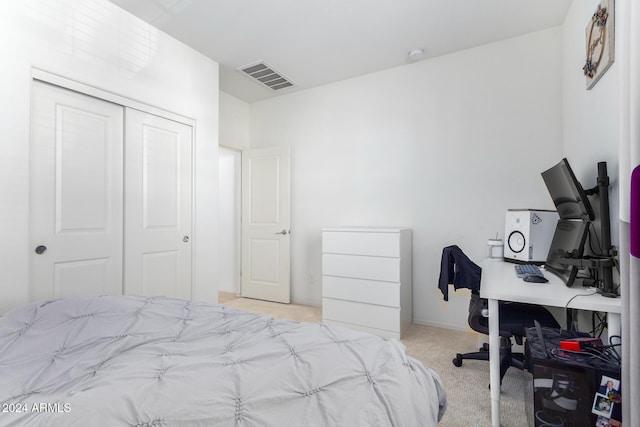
266,224
158,200
76,206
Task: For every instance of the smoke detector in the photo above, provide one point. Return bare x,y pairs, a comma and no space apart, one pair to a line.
416,54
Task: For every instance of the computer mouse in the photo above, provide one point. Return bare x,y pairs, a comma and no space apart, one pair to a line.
534,279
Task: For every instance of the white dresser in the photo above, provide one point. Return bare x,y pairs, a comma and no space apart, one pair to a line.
366,279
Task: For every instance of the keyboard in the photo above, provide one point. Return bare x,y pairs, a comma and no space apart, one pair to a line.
523,270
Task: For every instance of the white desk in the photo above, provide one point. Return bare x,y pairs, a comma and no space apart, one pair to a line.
500,283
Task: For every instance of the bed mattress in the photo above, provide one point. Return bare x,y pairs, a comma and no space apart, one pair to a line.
155,361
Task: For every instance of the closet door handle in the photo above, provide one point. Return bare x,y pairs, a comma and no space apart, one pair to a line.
283,232
185,239
41,249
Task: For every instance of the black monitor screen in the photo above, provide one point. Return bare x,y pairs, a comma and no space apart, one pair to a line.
567,193
568,242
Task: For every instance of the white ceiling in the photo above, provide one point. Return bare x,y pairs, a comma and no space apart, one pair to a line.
314,42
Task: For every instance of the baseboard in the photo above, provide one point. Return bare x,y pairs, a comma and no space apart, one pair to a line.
306,302
453,327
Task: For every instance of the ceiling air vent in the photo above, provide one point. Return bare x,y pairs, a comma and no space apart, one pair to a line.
266,75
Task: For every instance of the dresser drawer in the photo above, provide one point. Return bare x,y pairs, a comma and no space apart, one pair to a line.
367,329
356,313
361,267
367,291
361,243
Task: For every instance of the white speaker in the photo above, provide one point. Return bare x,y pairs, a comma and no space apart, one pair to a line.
528,234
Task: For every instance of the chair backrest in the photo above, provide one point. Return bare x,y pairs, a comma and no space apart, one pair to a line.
479,317
478,312
457,269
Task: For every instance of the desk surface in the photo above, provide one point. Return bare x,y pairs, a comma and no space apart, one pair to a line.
499,281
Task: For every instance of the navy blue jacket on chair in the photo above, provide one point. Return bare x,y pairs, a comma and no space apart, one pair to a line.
456,268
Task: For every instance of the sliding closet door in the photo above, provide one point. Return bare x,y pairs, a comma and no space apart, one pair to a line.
158,206
76,210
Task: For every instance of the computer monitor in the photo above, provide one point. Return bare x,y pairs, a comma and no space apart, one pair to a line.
567,193
567,249
566,255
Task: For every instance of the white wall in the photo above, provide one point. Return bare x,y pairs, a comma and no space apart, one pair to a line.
590,116
234,122
96,43
443,146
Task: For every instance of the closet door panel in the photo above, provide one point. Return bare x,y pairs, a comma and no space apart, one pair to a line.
158,206
76,208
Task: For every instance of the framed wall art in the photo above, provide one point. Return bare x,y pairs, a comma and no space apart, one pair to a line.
599,43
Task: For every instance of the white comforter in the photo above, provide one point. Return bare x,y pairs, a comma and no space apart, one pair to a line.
138,361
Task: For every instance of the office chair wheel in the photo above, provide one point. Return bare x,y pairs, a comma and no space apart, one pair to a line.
458,360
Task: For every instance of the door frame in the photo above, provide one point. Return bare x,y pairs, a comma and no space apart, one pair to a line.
85,89
54,79
237,289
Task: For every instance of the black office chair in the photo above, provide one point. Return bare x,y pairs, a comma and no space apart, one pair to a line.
515,318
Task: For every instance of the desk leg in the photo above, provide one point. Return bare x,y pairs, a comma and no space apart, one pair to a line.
494,360
613,326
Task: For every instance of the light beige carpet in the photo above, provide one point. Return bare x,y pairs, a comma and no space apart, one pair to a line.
469,402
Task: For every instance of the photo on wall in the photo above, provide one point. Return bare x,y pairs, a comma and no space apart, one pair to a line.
600,33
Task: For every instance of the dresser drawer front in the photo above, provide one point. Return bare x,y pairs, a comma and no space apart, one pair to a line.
367,291
361,267
367,329
361,243
356,313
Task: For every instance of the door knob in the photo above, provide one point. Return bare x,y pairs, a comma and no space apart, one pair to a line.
283,232
185,239
41,249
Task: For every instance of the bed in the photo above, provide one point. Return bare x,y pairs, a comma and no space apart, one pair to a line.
156,361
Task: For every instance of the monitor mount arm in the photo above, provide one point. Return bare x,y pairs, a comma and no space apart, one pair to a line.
606,262
589,262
